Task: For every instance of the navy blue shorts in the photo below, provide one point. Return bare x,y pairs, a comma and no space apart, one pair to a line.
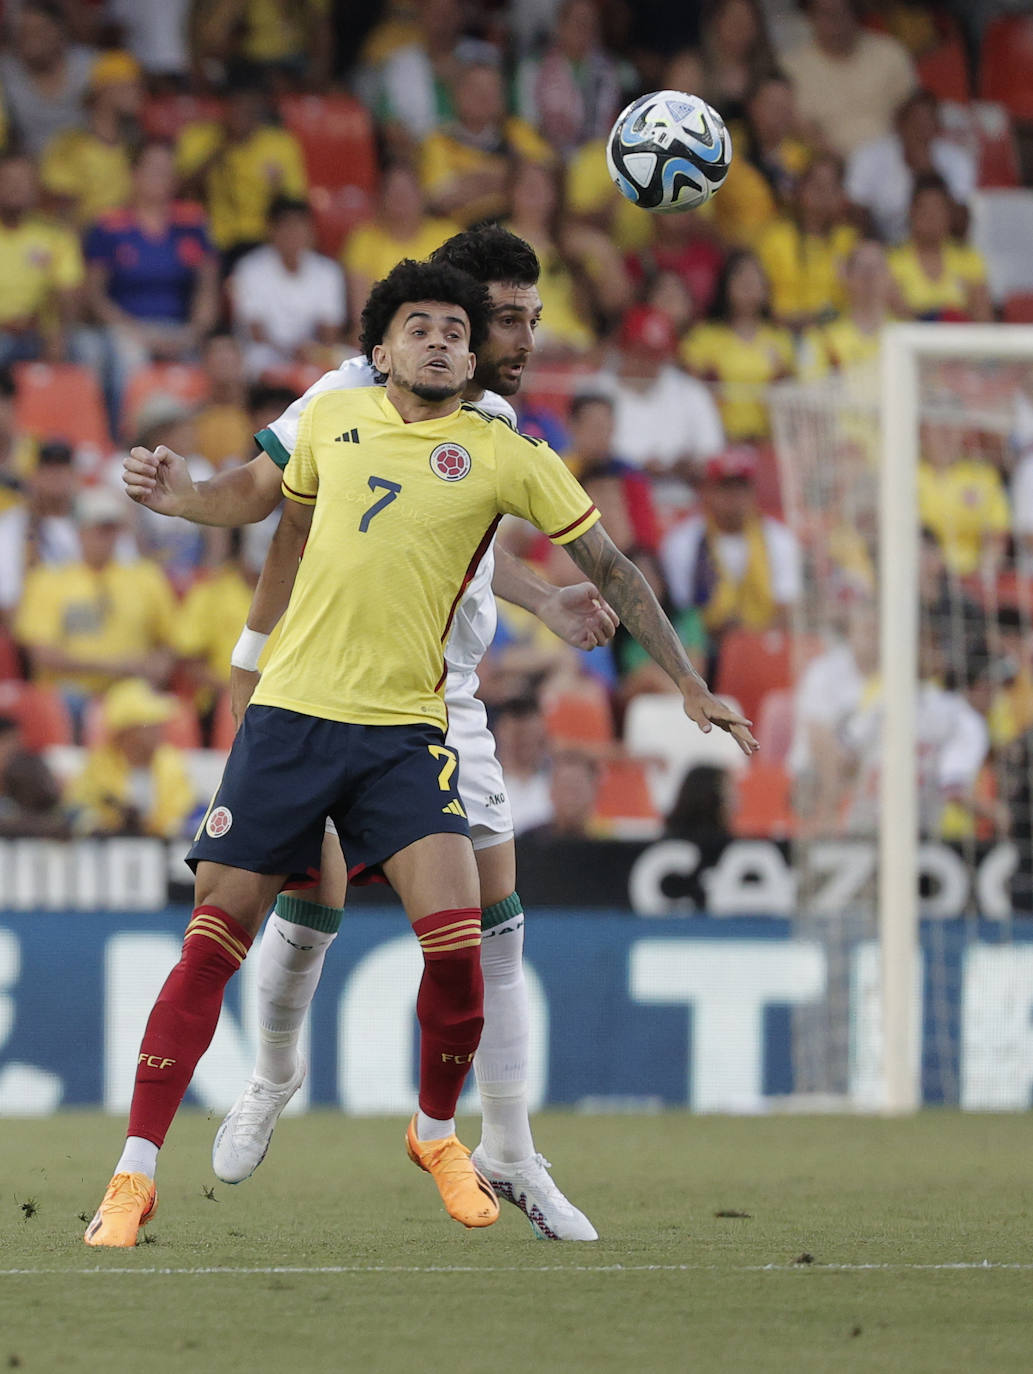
384,787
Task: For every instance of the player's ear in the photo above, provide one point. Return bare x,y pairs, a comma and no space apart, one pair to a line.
471,365
381,358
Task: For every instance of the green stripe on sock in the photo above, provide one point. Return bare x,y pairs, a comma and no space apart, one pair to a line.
502,911
303,913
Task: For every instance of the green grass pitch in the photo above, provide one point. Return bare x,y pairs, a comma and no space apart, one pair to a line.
734,1245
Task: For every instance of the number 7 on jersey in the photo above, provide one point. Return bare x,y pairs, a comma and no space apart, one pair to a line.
390,490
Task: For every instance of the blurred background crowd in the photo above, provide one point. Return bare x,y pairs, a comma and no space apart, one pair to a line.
195,198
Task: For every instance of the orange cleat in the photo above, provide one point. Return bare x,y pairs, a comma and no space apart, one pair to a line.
466,1193
130,1202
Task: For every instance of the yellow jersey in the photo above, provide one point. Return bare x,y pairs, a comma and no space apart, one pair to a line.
745,367
805,270
404,513
963,267
37,259
964,505
91,173
371,252
244,179
837,347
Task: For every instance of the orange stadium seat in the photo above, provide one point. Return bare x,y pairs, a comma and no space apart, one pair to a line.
1006,62
223,728
336,134
1018,308
751,664
580,715
40,711
61,401
296,377
768,482
10,660
944,70
624,794
186,383
763,808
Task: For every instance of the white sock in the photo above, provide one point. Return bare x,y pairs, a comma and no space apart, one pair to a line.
139,1157
429,1128
290,961
501,1060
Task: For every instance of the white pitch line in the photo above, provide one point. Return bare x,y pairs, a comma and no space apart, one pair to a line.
974,1265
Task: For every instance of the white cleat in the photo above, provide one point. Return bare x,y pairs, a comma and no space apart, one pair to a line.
529,1186
243,1138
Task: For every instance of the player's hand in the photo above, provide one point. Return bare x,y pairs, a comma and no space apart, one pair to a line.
158,479
708,710
242,688
579,615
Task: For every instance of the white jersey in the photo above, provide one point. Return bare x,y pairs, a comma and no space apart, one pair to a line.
473,627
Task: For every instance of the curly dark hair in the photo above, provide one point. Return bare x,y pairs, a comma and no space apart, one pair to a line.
423,281
489,254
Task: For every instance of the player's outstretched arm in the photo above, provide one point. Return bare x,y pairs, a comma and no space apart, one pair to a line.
268,602
632,597
161,481
577,614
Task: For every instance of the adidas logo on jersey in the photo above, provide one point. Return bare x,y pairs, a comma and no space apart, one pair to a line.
348,437
454,808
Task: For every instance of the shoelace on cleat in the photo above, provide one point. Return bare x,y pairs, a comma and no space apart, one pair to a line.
123,1199
541,1181
258,1101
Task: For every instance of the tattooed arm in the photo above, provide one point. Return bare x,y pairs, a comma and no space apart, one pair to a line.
632,598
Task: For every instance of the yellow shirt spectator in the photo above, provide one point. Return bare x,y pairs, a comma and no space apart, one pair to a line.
276,30
964,504
805,269
590,193
124,610
838,347
716,352
38,259
445,156
244,178
371,252
91,173
924,295
106,789
209,623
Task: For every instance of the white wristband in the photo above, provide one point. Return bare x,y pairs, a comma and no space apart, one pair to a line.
248,650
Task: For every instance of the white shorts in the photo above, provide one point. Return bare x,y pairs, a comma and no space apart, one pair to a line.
482,788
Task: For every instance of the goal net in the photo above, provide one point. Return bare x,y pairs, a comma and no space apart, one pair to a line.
910,487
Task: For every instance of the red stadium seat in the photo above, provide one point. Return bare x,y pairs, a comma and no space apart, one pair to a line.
751,664
40,711
763,802
61,401
336,134
1018,308
10,659
336,211
943,70
768,481
774,725
296,377
186,383
624,794
1006,62
165,116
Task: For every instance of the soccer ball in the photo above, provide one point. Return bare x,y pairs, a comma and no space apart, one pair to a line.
668,151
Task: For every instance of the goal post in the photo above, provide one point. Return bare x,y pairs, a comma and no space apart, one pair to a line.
904,347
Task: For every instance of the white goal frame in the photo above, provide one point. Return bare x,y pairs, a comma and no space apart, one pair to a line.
903,346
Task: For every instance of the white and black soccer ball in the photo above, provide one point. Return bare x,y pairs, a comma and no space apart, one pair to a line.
668,151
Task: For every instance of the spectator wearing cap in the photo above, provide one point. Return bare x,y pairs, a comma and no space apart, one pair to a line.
288,301
41,271
803,253
848,79
465,165
44,76
740,349
152,282
666,422
29,793
239,165
880,175
88,624
740,568
38,529
86,172
133,783
571,93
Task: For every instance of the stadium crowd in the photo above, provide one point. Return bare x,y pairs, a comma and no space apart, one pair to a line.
195,199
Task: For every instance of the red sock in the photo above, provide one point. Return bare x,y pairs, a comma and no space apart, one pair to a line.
450,1006
183,1019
